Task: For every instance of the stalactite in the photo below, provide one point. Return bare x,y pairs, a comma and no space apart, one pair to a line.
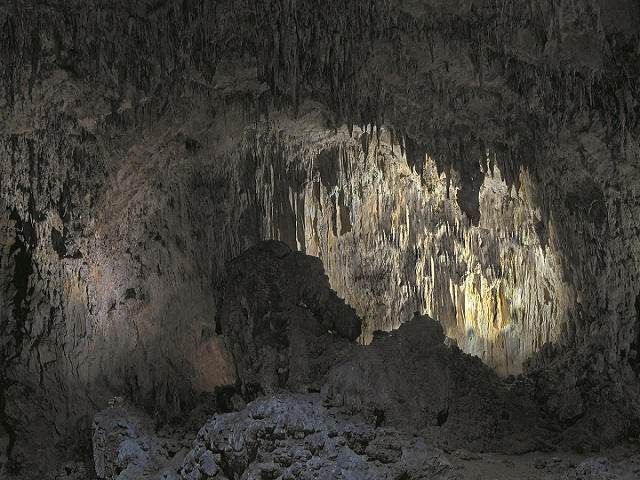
372,66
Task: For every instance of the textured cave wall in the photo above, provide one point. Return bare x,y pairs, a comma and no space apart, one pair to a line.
145,144
394,242
109,290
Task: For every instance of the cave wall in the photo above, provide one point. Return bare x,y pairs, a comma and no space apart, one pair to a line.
108,289
395,241
472,162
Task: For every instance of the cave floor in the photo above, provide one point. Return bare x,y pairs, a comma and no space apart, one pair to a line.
622,462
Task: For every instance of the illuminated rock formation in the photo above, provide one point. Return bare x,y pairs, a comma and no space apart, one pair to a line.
473,161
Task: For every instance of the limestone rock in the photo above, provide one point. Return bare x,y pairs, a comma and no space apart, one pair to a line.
127,447
294,437
284,325
409,379
474,161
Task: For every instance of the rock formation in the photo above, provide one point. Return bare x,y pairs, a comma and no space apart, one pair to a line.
278,315
476,162
400,406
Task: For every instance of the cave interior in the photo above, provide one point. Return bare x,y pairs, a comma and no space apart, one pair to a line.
293,239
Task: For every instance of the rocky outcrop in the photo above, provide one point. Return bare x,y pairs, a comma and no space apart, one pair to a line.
284,325
125,444
398,406
409,379
286,330
295,437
